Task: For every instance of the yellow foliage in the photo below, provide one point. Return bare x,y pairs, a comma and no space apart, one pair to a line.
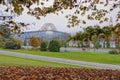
34,41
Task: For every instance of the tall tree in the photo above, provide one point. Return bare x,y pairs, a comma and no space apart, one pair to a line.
117,35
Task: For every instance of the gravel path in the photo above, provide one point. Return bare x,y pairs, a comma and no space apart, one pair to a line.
62,49
61,60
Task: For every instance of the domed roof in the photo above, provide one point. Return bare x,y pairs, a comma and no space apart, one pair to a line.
48,26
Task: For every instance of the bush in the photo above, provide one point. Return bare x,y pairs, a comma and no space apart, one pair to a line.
34,42
25,42
108,45
113,52
79,44
97,45
1,42
83,48
54,46
43,46
12,44
65,44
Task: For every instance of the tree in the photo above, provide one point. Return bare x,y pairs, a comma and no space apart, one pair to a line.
34,42
8,27
43,46
25,42
107,32
79,44
81,8
12,43
5,31
117,36
54,46
1,42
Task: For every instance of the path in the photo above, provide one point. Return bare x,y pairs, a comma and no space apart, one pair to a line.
89,50
61,60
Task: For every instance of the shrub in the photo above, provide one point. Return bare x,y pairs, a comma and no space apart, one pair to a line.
54,46
83,48
12,44
108,44
25,42
118,51
113,52
34,42
43,46
97,45
65,44
1,42
79,44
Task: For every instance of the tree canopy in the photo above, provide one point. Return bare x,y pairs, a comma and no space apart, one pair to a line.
34,42
95,33
81,7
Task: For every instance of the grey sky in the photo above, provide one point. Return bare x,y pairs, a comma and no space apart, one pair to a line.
58,20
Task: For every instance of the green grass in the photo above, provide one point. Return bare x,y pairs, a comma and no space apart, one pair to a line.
84,56
15,61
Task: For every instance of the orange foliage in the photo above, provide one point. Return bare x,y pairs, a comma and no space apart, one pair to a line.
46,73
34,41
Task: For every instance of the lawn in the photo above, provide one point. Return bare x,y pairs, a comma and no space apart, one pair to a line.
84,56
14,61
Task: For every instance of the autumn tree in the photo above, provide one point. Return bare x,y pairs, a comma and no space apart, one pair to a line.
34,42
96,33
4,31
117,35
1,42
79,7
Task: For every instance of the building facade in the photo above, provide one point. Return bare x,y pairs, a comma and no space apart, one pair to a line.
47,32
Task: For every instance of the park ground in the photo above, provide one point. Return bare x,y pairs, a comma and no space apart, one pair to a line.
15,61
81,56
96,59
29,69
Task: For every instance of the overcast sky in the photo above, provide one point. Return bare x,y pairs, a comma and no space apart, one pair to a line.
58,20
